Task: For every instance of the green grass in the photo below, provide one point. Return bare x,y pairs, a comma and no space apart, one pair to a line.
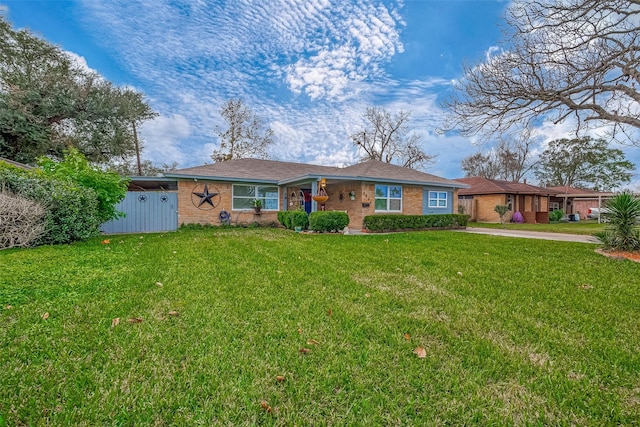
586,227
516,331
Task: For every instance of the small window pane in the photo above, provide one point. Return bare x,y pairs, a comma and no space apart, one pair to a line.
240,203
244,190
433,203
442,196
394,204
442,203
381,190
433,195
381,204
396,192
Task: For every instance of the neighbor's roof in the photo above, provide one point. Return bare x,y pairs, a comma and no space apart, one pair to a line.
277,172
479,185
566,191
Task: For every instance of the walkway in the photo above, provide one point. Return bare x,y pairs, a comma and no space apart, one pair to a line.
532,234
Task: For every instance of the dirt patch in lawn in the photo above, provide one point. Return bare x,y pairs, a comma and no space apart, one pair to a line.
633,256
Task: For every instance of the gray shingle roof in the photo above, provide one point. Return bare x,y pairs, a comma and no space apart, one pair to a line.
277,172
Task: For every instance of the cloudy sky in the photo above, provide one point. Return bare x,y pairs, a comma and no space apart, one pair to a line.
307,68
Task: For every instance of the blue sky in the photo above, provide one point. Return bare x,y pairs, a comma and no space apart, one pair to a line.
307,68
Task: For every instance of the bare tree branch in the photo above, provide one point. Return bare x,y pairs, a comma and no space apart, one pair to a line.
387,138
558,58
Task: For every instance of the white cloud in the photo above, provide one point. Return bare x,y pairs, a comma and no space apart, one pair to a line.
162,137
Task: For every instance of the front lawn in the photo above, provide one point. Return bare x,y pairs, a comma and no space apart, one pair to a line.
586,227
246,327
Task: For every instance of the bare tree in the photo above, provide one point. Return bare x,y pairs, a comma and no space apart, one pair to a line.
510,160
244,136
559,58
387,138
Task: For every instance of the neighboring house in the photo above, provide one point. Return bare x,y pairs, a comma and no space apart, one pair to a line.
208,193
483,195
576,200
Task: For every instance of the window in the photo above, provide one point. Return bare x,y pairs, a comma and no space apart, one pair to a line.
554,206
437,199
388,198
244,195
509,201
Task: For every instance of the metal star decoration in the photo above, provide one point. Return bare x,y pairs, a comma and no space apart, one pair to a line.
206,196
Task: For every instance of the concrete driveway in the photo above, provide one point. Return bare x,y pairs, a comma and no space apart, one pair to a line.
532,235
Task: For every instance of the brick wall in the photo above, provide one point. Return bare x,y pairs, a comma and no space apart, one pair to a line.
485,205
189,213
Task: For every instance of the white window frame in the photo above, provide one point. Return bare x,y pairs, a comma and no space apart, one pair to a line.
437,199
265,205
387,198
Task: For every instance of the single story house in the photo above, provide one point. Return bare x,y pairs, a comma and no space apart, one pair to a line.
482,196
211,193
577,201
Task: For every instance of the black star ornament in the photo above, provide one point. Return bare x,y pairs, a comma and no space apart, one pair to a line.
205,196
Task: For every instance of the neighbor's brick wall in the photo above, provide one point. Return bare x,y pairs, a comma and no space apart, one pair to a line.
485,205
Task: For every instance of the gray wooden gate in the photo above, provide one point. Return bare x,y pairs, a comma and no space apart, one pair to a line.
146,211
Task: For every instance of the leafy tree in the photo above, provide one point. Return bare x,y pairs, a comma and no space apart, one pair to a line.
583,162
145,168
559,58
623,232
244,137
109,187
387,138
48,103
501,210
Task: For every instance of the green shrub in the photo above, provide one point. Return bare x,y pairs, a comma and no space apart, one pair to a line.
328,221
71,211
109,187
622,233
411,222
556,215
293,219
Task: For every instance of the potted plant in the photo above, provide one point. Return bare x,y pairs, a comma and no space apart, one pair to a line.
257,205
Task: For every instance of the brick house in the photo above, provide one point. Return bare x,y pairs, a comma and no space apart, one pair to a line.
210,192
577,200
482,196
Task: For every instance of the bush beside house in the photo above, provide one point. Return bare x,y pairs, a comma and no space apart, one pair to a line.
378,223
293,219
328,221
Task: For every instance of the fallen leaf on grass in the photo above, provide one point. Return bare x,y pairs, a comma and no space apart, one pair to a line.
106,241
304,350
367,295
173,313
459,273
586,286
299,330
329,312
280,378
9,307
158,284
420,352
313,342
407,337
115,322
264,405
45,316
135,320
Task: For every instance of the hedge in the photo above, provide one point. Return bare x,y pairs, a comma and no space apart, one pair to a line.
71,211
330,221
293,219
412,222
